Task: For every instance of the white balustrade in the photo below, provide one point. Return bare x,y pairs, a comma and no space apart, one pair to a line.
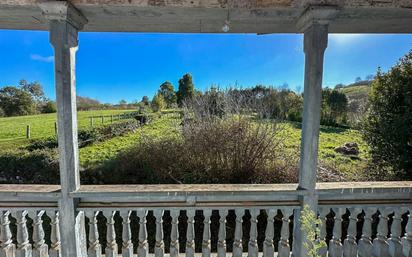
7,248
350,247
190,233
111,249
221,243
159,245
335,245
40,248
365,243
283,245
143,246
380,243
24,248
127,245
268,247
29,233
95,249
253,245
206,245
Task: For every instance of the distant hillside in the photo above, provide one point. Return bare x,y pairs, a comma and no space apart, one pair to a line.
357,94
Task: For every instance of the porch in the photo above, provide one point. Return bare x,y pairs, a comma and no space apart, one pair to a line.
191,219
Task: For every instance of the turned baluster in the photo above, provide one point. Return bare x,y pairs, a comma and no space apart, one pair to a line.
7,248
237,243
111,249
190,233
159,245
380,243
221,244
174,234
54,234
143,246
407,238
127,245
350,248
206,247
365,243
268,247
253,246
23,248
40,248
395,246
283,244
95,249
335,245
323,212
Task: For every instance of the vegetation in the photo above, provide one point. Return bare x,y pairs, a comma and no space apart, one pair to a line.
13,129
249,135
158,103
168,93
388,123
311,229
186,88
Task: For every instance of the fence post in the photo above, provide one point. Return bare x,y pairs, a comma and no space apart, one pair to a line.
102,119
28,132
111,118
55,128
91,121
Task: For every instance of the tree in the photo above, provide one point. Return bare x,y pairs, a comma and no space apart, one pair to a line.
387,126
145,100
358,79
168,93
186,88
86,103
158,103
334,107
370,77
15,101
49,107
35,89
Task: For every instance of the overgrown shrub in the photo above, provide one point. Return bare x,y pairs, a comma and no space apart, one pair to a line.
39,144
208,148
30,167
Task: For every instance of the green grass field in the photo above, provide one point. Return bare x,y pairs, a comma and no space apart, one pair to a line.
330,138
12,136
13,129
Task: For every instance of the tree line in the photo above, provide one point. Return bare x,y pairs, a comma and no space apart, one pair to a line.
269,102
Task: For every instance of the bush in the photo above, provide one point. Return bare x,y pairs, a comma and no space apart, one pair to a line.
36,167
88,136
158,103
49,107
39,144
387,127
208,149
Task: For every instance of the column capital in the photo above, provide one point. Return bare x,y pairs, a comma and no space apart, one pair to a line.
63,11
316,15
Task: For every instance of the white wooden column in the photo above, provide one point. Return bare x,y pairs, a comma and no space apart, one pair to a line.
64,23
314,24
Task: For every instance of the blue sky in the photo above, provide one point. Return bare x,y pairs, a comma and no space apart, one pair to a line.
115,66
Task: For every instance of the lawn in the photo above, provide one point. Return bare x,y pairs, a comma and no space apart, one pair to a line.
330,138
13,129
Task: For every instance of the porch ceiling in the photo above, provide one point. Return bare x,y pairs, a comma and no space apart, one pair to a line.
246,16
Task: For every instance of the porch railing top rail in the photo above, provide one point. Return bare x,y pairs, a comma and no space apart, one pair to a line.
329,194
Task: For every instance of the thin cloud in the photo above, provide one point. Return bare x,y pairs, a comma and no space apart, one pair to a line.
40,58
